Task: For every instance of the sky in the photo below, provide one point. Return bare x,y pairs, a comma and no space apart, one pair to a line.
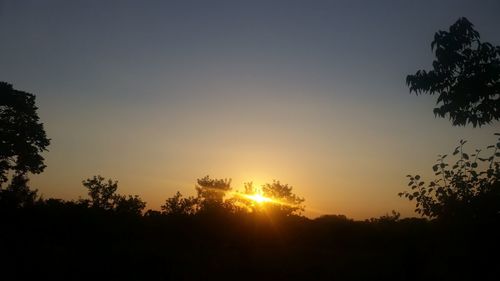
156,94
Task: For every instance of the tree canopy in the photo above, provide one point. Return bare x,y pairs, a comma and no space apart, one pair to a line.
103,196
465,76
22,136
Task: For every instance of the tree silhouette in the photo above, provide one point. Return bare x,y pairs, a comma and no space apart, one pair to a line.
132,205
211,193
465,75
244,201
287,203
177,205
17,193
470,190
102,194
23,139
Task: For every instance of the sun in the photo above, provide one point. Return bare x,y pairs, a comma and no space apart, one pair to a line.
258,198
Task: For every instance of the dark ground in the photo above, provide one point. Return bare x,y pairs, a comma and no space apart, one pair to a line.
68,242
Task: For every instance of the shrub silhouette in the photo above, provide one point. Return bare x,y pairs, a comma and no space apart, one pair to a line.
469,190
465,76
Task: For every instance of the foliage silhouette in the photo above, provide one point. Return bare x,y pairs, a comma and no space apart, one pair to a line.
103,196
211,193
225,245
465,75
177,205
288,202
23,139
132,205
17,193
212,196
243,199
469,190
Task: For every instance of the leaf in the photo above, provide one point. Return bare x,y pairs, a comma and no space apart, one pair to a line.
417,177
435,167
465,156
474,165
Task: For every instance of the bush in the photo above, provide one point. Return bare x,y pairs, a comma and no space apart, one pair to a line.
469,190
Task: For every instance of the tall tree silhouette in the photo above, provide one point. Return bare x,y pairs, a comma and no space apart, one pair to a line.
22,140
465,76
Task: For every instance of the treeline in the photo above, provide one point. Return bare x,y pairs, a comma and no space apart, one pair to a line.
213,196
68,240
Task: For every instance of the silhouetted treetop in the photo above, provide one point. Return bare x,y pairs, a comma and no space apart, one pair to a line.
465,76
132,205
289,203
177,205
101,192
103,195
211,192
22,136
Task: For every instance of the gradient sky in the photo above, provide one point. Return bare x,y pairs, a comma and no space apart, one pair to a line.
157,94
